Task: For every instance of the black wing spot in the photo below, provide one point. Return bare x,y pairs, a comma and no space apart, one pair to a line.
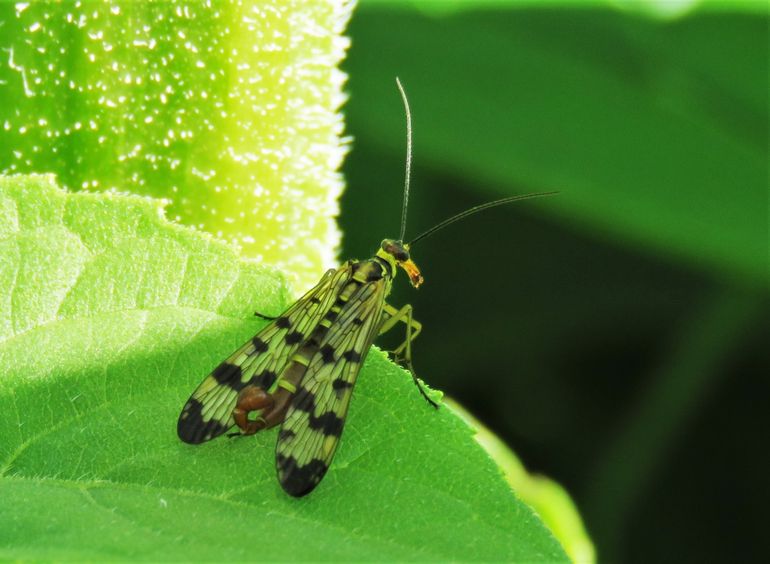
320,332
267,379
283,322
260,346
227,374
327,353
293,338
191,427
285,435
341,384
315,300
299,480
305,400
331,315
352,356
328,424
312,342
358,321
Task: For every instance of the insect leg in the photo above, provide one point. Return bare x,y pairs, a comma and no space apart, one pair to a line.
403,354
265,317
403,315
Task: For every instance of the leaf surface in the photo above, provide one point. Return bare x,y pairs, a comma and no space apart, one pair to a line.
110,316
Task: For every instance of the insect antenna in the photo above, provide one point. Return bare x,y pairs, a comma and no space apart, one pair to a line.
477,209
408,158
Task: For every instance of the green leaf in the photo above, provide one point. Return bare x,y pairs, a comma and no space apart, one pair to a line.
654,133
109,317
229,110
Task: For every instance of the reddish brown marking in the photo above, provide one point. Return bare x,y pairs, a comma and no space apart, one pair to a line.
273,408
251,398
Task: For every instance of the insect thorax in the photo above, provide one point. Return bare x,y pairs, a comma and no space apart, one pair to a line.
372,270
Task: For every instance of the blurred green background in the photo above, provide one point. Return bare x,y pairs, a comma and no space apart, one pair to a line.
615,335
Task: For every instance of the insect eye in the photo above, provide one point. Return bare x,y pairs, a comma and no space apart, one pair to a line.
395,249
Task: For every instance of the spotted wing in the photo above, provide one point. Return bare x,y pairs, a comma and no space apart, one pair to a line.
208,412
313,424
